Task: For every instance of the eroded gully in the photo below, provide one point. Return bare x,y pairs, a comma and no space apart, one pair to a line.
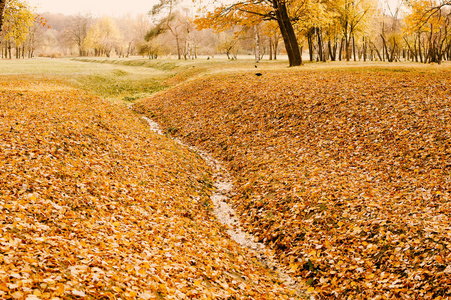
223,189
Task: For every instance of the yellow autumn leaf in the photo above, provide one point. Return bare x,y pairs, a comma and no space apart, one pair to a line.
294,267
142,271
197,282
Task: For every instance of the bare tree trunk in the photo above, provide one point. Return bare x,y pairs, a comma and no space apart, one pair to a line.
385,53
276,47
377,52
348,48
228,51
270,48
393,51
310,34
419,48
179,55
331,53
257,44
410,51
364,49
320,45
432,46
195,48
340,52
288,34
416,52
442,46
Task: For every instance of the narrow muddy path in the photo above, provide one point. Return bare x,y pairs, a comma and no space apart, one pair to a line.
226,214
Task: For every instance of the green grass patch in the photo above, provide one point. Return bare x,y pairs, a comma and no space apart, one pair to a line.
112,81
130,79
125,86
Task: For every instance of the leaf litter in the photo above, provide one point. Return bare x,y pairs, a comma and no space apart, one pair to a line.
223,190
345,174
97,206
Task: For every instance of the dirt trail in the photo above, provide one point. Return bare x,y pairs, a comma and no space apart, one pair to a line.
228,217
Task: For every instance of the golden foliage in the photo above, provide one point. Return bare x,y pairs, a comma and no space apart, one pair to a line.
96,206
424,17
18,19
346,174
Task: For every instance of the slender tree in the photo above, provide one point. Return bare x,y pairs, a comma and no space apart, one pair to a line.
78,31
104,36
165,9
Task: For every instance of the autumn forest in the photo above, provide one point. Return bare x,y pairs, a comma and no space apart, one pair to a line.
363,30
279,149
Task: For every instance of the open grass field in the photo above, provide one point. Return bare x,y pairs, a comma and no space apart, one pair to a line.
343,168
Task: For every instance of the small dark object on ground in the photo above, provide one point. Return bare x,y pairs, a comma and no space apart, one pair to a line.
258,74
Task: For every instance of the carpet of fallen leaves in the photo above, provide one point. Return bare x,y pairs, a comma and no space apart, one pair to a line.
347,174
96,206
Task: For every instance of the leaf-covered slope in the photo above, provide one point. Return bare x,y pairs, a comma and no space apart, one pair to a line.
347,174
94,205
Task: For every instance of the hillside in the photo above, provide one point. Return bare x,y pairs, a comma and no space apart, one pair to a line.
346,173
94,205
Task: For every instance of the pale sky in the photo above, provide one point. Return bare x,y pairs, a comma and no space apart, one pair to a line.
96,7
105,7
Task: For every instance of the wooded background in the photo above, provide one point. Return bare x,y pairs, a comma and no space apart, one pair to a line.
417,30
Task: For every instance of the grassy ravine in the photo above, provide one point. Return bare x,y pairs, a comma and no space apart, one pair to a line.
96,206
345,172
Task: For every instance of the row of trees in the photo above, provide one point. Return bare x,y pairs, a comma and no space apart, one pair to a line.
417,30
26,34
19,25
428,37
347,29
